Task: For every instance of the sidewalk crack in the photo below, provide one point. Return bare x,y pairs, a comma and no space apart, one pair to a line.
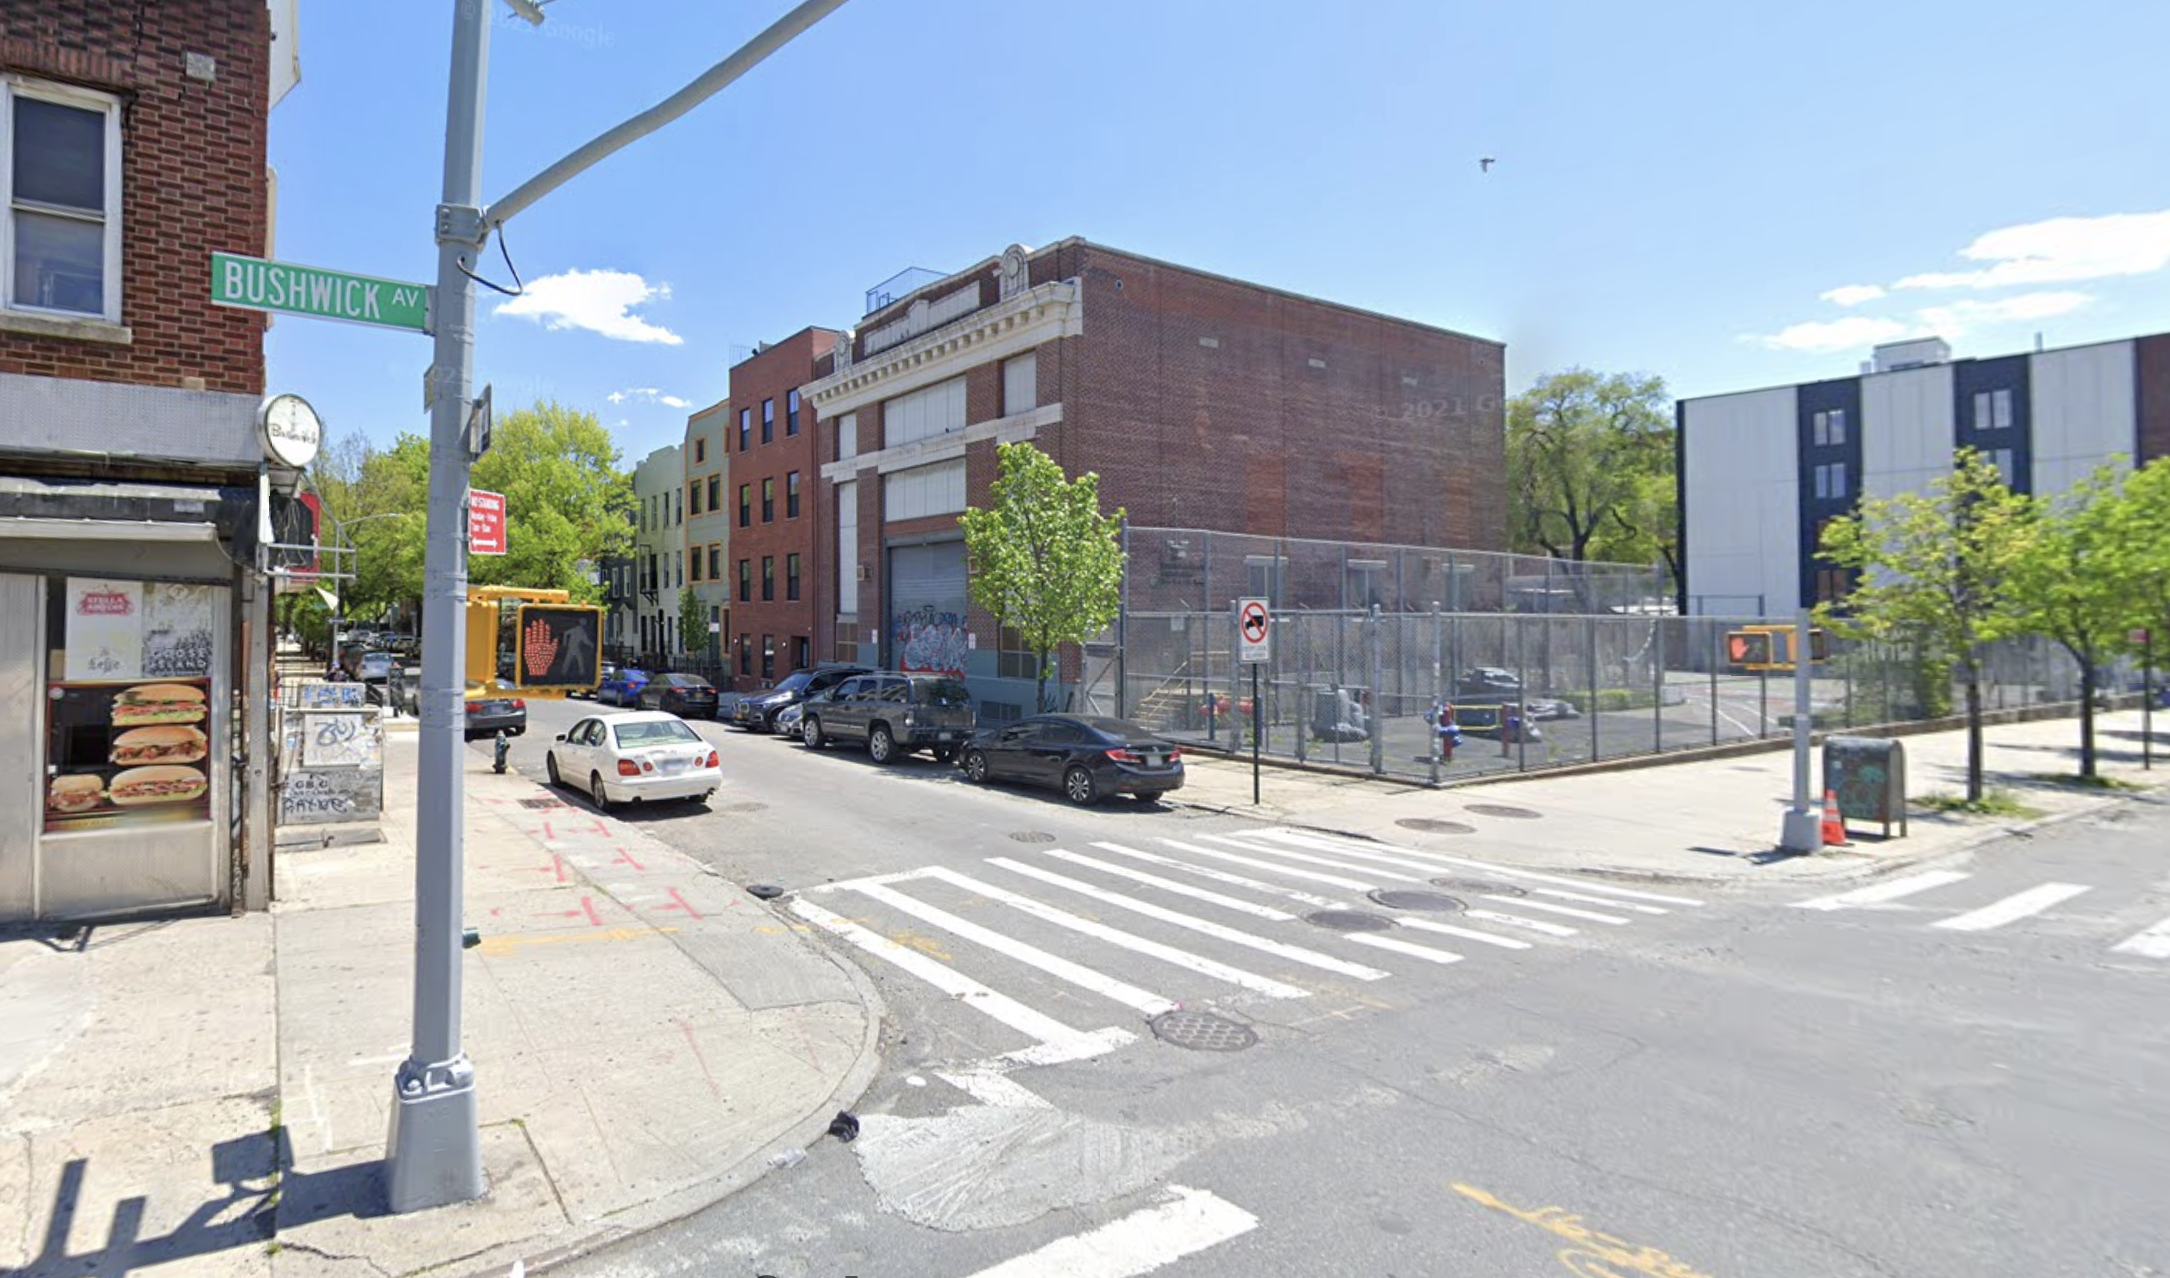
322,1254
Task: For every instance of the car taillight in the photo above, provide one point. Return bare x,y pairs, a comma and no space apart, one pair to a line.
1121,755
519,704
628,768
711,760
474,707
1173,755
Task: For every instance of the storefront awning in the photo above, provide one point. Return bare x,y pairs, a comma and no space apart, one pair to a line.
105,510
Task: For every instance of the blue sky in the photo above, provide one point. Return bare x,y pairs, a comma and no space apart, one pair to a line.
1678,187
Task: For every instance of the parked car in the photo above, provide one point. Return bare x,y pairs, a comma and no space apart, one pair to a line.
687,696
1488,681
622,688
1552,708
375,667
757,711
487,716
604,673
894,714
1087,757
647,756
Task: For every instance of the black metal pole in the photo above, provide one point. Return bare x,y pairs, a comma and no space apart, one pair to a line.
1254,734
2147,701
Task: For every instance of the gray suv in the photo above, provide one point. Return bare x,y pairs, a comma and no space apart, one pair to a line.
894,714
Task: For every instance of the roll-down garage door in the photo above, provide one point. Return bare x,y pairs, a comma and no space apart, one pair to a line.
927,607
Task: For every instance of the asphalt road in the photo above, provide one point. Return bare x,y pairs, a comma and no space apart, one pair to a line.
1965,1077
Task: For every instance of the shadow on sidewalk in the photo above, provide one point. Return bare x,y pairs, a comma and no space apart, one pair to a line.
259,1201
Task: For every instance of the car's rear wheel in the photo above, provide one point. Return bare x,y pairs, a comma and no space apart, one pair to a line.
975,766
598,793
810,733
550,764
1079,787
880,744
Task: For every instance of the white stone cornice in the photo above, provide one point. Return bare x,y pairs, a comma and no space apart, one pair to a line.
1048,311
920,452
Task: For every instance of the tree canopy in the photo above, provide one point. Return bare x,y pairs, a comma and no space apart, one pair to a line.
1590,469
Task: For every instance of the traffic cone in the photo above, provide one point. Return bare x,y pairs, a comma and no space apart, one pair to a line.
1834,822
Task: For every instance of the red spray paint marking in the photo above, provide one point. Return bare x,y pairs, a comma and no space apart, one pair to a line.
706,1072
556,866
587,910
626,858
549,833
600,828
683,904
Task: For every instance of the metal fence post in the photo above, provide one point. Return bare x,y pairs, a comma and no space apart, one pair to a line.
1122,635
1377,718
1657,686
1712,655
1521,689
1439,692
1590,643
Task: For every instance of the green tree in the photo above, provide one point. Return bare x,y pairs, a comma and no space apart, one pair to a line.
566,501
1590,470
692,623
2139,517
1044,560
2076,583
1935,568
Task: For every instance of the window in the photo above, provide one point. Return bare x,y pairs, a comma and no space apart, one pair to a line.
1829,429
791,495
802,651
768,420
1831,481
745,581
693,498
768,501
768,656
2002,459
63,204
791,413
1832,585
678,561
745,655
700,450
678,507
745,505
791,578
715,494
696,565
1020,384
847,436
768,577
1013,661
745,429
715,561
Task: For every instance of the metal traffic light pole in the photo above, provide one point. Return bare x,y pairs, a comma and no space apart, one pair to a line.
434,1153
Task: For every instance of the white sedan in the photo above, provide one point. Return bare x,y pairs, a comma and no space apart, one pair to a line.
633,758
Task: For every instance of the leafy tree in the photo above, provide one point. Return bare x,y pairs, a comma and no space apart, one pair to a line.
1936,568
692,623
1590,470
1044,560
2076,582
566,501
2139,518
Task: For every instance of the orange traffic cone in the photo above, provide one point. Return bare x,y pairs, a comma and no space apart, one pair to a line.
1834,822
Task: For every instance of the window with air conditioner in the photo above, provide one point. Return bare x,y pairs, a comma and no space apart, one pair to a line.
62,254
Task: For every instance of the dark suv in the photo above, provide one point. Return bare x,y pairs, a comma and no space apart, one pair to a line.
757,711
894,714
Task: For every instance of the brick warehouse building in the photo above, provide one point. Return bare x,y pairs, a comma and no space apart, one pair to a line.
1200,401
132,472
771,502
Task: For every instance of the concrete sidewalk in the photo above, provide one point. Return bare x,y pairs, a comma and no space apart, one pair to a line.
211,1095
1714,820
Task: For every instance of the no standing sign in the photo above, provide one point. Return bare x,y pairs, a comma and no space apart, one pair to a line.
1254,631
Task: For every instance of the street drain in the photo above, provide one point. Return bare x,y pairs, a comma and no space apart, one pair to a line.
541,802
1502,810
1202,1031
1349,920
1479,887
1433,825
1032,836
1407,899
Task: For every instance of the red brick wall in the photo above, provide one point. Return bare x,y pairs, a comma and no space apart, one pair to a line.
2152,357
192,178
772,375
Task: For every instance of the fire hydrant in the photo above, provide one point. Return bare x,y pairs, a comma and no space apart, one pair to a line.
1445,731
501,751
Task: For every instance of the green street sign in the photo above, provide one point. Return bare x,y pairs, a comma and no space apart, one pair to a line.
255,284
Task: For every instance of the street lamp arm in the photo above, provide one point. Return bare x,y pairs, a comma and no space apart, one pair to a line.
711,81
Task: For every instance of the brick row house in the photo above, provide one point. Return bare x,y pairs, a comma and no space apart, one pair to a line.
776,555
136,485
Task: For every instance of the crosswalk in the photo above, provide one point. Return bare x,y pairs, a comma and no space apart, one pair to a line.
1939,891
1152,925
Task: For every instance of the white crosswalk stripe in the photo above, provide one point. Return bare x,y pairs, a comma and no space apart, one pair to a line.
1516,920
1409,948
1170,885
2017,906
1309,876
2151,943
1305,858
1884,893
1527,876
1467,934
1560,894
1569,911
1137,1244
1222,876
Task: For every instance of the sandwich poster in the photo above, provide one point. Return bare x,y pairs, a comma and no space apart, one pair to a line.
127,753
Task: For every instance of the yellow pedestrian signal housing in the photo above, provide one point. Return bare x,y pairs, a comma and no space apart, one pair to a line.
1771,647
552,646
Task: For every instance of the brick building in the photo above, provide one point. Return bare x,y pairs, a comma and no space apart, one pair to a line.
134,470
1201,401
708,523
774,546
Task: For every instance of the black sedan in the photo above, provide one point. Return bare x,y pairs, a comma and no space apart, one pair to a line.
1087,757
687,696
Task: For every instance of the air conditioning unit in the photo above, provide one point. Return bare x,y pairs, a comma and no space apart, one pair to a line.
865,573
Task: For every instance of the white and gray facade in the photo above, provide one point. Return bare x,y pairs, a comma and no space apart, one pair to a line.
1760,471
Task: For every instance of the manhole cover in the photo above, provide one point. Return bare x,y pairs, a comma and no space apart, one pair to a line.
1349,920
1479,887
1408,899
1202,1031
1433,825
1032,836
1502,810
544,801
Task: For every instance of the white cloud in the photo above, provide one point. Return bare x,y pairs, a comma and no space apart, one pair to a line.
2060,250
1962,316
1854,294
598,301
1824,337
648,395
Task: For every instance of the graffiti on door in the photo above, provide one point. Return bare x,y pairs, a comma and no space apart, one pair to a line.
930,640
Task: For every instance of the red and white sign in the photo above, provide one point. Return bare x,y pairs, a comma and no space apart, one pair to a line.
1254,629
485,522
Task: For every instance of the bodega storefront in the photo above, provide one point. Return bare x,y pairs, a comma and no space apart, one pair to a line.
120,689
